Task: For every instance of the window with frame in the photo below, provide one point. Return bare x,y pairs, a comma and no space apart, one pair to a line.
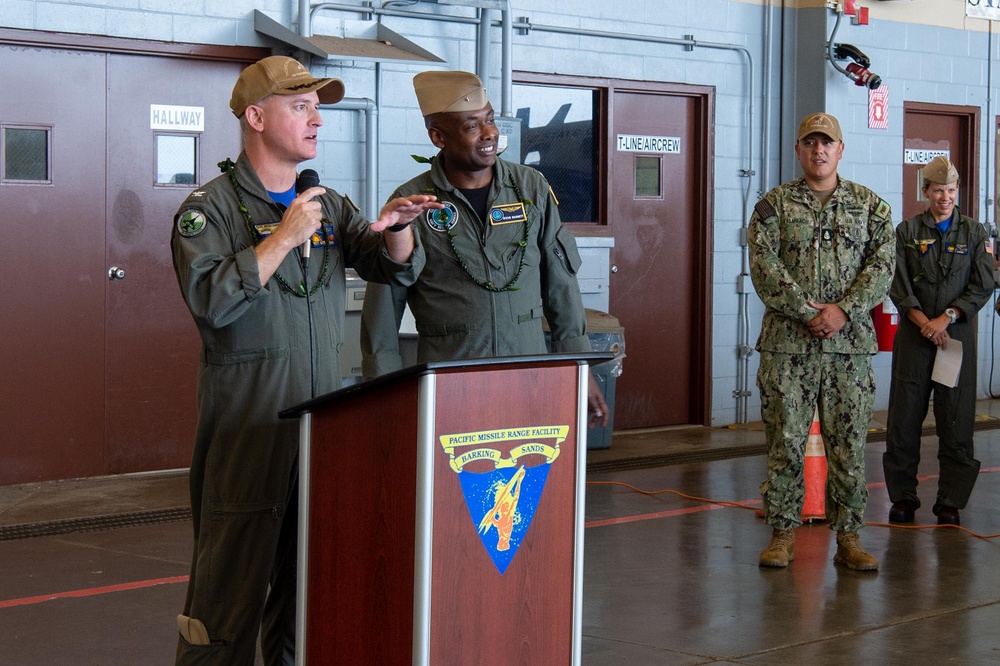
560,136
647,177
176,159
26,153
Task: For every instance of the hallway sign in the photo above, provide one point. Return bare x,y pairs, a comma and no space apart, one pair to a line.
176,118
984,9
638,143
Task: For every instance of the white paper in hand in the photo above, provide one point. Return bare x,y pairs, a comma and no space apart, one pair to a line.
948,364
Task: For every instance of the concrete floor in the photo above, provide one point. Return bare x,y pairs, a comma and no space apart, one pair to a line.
668,580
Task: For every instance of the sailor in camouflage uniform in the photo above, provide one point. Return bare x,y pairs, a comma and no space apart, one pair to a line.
944,275
821,256
498,256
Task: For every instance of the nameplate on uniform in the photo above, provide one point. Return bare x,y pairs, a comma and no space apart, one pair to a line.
957,248
326,235
265,229
508,213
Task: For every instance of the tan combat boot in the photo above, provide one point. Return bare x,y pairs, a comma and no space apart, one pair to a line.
852,555
780,551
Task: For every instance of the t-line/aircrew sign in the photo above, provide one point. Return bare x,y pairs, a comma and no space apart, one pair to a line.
640,143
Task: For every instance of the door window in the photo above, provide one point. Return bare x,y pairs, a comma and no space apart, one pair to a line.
177,159
26,154
647,177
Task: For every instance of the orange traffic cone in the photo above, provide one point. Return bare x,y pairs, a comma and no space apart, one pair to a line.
814,505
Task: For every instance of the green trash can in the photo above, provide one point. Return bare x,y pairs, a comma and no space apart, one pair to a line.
605,334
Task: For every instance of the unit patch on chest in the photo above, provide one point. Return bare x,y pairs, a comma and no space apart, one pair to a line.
442,219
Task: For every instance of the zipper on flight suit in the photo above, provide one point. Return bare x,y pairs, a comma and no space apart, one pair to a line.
486,265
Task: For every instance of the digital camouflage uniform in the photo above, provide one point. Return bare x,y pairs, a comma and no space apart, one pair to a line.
935,271
842,252
455,316
254,363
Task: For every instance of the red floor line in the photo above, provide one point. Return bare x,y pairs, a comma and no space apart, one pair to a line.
122,587
708,507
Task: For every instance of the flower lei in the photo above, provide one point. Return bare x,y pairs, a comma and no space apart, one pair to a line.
488,284
228,167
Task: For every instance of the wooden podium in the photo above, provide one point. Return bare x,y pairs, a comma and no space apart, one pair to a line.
441,515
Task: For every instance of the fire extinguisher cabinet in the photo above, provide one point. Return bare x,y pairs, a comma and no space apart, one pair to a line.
886,320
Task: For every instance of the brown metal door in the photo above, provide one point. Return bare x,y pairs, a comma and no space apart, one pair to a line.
52,268
98,375
152,342
659,211
930,129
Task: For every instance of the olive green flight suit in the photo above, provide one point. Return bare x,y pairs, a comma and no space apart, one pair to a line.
255,361
935,271
523,244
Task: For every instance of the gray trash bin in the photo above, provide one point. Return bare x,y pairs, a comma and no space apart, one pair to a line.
605,334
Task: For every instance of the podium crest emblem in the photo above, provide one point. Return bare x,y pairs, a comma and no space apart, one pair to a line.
502,474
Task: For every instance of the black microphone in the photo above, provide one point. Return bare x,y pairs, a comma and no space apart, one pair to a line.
308,178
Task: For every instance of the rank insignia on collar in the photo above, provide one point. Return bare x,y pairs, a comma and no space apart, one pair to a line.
190,223
442,219
507,213
924,244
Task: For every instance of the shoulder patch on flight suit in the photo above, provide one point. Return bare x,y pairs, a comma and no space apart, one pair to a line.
190,223
764,209
989,246
882,210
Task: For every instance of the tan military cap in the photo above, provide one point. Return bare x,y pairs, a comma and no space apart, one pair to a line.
278,75
446,92
823,123
940,170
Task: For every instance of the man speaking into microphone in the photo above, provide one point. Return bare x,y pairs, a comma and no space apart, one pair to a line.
237,247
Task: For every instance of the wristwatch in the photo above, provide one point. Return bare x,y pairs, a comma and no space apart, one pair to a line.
952,314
